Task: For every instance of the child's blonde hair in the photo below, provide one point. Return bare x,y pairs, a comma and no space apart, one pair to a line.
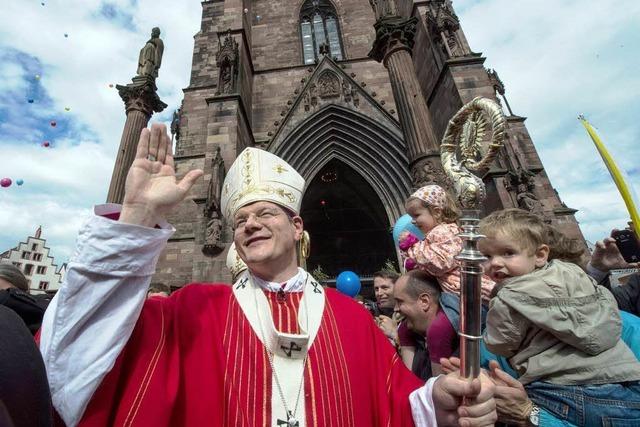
530,231
431,196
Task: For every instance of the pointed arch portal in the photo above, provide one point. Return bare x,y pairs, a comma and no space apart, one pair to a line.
347,222
357,180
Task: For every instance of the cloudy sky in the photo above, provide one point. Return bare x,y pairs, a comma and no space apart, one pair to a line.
557,59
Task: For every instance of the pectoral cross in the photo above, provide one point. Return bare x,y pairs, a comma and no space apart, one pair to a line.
242,284
292,347
290,422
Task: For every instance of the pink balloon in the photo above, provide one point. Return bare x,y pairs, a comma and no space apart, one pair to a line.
46,144
5,182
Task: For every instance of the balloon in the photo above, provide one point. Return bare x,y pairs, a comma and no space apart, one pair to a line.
404,224
348,283
5,182
110,84
30,101
46,144
67,108
19,181
66,35
53,123
37,76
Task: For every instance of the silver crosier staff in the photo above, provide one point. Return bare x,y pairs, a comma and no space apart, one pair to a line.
465,135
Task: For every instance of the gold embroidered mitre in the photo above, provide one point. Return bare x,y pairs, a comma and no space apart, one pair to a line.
234,262
257,175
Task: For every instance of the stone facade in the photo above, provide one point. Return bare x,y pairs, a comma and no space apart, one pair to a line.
341,111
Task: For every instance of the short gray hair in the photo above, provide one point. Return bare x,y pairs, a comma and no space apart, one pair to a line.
13,275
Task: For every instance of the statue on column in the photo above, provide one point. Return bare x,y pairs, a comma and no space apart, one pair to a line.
150,57
213,215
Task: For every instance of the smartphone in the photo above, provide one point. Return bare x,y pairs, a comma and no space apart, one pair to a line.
627,245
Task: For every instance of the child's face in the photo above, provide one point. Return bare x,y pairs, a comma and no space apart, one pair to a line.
506,258
421,215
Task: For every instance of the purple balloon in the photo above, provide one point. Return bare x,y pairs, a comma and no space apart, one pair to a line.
5,182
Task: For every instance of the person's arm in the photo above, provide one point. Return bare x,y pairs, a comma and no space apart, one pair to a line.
628,295
506,328
94,312
436,253
91,317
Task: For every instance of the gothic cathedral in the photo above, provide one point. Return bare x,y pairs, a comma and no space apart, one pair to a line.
356,95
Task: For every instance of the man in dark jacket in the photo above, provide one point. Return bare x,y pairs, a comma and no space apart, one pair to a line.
607,257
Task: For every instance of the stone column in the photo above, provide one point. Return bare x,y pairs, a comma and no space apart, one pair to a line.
393,45
141,100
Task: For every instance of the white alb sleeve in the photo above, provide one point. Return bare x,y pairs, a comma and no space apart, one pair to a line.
93,314
422,407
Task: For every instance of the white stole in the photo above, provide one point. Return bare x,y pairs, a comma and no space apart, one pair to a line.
289,350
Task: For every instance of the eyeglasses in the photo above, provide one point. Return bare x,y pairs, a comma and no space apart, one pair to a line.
263,216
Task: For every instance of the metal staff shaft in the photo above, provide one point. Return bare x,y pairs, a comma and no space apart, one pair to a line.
465,133
470,294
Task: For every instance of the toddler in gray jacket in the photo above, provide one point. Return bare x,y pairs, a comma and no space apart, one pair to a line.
558,329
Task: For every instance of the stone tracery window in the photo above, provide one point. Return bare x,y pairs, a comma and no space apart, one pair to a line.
318,26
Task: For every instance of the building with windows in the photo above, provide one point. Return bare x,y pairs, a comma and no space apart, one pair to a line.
33,259
356,95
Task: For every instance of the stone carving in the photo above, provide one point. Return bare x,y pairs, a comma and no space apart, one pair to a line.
309,97
429,171
444,26
392,34
175,122
328,85
227,62
212,212
150,57
528,201
498,87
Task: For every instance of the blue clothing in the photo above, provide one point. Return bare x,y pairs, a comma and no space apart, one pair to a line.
630,335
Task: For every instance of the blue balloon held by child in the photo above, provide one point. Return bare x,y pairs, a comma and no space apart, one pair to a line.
404,224
348,283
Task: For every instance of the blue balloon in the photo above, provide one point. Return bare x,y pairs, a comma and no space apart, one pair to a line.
19,182
404,224
348,283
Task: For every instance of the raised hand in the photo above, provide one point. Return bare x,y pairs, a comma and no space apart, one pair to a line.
151,189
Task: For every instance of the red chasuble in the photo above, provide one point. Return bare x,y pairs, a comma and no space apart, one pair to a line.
194,360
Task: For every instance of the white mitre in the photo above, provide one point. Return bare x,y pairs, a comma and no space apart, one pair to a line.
257,175
234,262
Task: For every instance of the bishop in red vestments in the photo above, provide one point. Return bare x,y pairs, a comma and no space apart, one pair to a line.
274,349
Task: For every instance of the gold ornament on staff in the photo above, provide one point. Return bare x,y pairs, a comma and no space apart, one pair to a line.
466,132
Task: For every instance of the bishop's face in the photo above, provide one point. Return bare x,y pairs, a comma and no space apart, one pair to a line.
265,237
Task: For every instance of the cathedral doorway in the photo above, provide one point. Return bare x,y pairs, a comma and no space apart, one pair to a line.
347,222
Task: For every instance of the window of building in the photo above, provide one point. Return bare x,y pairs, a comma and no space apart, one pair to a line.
17,264
43,285
318,26
26,254
41,269
28,269
34,247
37,257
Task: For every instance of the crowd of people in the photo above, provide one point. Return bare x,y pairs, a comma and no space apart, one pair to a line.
277,348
